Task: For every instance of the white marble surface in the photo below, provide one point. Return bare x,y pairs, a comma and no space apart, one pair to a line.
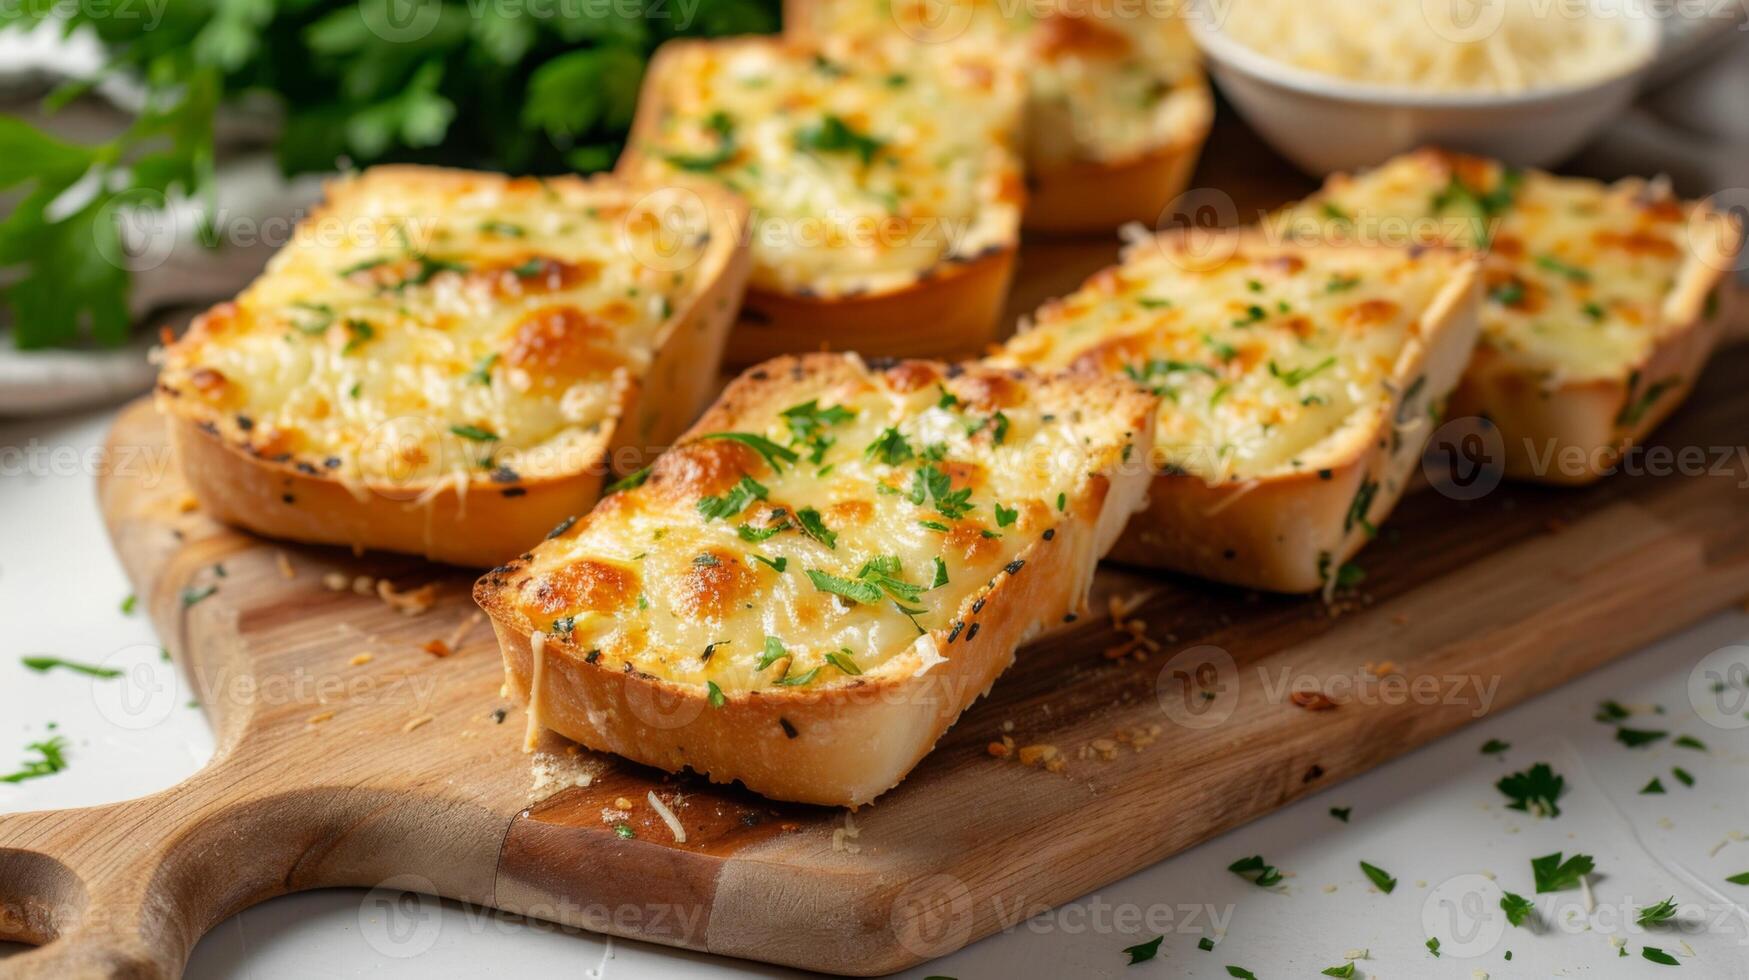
1432,819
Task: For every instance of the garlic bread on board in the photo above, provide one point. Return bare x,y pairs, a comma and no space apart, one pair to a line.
447,363
1297,387
830,566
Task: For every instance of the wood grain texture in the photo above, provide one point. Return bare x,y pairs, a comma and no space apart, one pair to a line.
405,772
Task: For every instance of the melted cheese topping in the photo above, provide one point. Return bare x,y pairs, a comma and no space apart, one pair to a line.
1578,274
432,326
1103,83
1259,359
865,167
831,531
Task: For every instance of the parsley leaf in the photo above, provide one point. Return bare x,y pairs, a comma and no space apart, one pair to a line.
1142,952
1379,877
51,759
43,665
1654,914
1254,870
1635,738
833,135
810,520
1554,875
1535,790
1657,955
1517,908
732,502
1345,971
775,455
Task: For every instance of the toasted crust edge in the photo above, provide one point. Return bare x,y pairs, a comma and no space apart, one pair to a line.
485,523
853,740
1292,532
950,310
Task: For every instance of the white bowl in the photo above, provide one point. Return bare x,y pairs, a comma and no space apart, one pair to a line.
1325,124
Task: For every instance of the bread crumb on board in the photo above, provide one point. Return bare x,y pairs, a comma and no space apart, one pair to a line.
319,717
555,771
360,659
1313,700
419,722
287,570
844,838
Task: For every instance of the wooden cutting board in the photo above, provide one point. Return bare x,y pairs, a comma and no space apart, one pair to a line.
406,771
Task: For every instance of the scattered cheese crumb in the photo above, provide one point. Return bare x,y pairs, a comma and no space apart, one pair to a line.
668,817
419,722
843,838
411,602
335,582
1002,749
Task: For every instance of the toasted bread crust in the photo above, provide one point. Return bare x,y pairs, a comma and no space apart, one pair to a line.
484,523
846,742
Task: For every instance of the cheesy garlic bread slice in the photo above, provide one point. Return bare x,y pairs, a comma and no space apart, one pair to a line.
1602,302
1117,107
1297,387
830,566
448,363
884,182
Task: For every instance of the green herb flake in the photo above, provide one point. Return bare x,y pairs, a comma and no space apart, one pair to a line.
816,528
1518,909
1554,875
714,694
1635,738
1690,742
1682,776
1657,955
191,595
1380,878
1254,870
1494,746
474,433
1341,812
774,454
1536,790
630,481
129,604
43,665
1143,952
1433,946
1654,914
1653,788
51,758
1345,971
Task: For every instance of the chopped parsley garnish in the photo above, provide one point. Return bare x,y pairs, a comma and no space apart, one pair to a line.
833,135
940,573
1206,944
504,228
1341,284
1006,515
359,332
630,481
1536,791
564,625
706,560
809,518
1689,742
1654,914
482,372
1554,875
775,455
190,596
841,660
732,502
1152,303
797,680
932,483
1062,502
1508,293
1595,311
855,590
1635,738
1742,879
777,564
807,424
1433,946
1682,776
1379,877
1633,412
1156,367
474,433
1653,788
1482,206
722,129
1143,952
1253,314
1254,870
1517,908
774,651
1297,375
714,694
624,830
1345,971
1610,712
43,665
1494,746
51,759
318,323
1360,506
1341,812
129,604
529,268
1657,955
1241,973
890,447
1334,212
1571,272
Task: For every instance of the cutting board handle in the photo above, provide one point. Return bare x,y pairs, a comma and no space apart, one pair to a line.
95,914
